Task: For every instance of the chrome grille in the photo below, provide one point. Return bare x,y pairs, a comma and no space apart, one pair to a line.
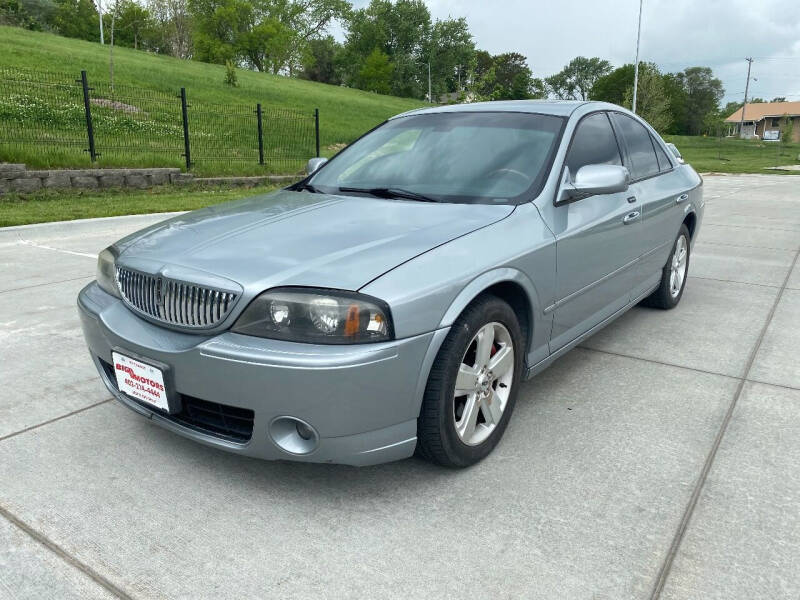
174,302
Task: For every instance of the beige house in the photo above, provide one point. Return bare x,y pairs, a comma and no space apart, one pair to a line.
764,120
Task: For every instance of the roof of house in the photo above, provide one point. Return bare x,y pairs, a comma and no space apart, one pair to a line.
759,110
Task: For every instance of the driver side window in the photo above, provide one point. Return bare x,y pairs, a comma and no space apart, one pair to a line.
593,143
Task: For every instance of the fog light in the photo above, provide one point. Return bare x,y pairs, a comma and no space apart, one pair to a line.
304,431
293,435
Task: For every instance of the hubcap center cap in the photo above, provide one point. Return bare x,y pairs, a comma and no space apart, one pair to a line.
484,383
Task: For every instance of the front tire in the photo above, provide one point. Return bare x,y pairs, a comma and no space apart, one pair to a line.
472,387
674,274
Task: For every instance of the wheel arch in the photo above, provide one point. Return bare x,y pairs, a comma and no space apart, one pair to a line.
690,220
510,285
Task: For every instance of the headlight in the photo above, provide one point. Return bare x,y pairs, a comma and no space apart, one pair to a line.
317,317
107,271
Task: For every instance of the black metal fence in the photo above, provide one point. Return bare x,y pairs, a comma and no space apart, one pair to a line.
67,119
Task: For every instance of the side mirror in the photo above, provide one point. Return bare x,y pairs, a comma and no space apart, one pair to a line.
596,179
674,149
314,164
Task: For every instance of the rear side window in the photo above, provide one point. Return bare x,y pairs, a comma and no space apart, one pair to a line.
641,153
594,143
663,161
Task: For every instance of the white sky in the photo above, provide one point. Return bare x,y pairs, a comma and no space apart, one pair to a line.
675,34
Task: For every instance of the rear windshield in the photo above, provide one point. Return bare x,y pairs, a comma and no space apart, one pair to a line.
478,157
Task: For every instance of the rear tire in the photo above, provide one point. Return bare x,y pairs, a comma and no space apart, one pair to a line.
674,274
483,355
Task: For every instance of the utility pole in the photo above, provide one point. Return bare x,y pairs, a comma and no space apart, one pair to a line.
636,64
746,89
100,12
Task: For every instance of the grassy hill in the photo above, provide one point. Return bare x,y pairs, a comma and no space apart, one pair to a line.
344,113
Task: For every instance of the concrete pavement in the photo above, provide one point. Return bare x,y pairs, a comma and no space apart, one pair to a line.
659,460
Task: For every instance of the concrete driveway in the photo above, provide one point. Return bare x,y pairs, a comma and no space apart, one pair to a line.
661,459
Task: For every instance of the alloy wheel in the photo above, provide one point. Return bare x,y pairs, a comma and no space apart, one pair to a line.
483,383
678,266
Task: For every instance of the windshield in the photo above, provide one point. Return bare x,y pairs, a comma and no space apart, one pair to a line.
477,157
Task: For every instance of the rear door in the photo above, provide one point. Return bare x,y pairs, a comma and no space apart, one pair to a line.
658,194
595,240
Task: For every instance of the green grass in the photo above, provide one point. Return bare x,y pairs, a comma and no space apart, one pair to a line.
226,125
65,205
734,155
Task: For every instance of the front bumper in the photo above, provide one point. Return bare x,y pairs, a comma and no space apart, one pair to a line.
362,400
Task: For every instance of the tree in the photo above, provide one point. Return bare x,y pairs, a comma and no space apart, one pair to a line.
134,26
652,104
787,129
612,87
77,19
451,52
173,27
575,81
678,102
779,99
756,101
401,31
703,93
376,73
321,61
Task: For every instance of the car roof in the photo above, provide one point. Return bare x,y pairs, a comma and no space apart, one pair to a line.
561,108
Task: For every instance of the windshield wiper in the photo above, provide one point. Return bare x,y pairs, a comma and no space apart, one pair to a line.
391,192
307,187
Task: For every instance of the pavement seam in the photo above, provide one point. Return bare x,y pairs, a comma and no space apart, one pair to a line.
705,243
35,285
766,285
658,362
42,539
54,419
666,566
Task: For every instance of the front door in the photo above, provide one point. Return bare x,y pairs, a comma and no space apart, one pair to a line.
597,240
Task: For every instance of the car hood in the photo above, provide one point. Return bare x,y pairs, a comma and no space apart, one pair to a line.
300,238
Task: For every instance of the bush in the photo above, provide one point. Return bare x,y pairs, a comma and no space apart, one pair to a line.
231,78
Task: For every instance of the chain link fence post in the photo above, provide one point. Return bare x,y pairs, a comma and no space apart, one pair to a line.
260,135
185,117
316,128
87,107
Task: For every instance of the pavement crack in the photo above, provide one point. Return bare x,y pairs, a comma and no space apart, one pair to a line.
42,539
54,419
46,247
666,566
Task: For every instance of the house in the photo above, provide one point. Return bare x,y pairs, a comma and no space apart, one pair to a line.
765,120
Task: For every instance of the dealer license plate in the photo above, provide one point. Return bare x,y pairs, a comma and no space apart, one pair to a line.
140,380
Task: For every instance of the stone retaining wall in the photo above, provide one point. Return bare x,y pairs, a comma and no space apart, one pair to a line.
17,178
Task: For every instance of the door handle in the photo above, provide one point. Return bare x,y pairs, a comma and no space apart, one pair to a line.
681,198
631,199
631,217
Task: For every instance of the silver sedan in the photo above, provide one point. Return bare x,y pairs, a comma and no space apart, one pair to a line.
393,301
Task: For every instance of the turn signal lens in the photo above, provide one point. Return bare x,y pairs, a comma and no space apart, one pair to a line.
316,316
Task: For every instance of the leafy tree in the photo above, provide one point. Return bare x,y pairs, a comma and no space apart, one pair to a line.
36,15
451,52
703,93
652,104
756,101
612,87
173,27
376,73
401,31
787,129
575,81
77,19
134,25
321,61
678,102
779,99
